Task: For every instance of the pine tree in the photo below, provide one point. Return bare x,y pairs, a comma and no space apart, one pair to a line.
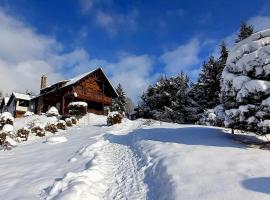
119,103
206,91
244,32
168,100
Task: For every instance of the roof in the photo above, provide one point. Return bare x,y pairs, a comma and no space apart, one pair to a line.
17,95
80,77
22,96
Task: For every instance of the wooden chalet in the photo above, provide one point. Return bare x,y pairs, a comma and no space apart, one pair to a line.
92,87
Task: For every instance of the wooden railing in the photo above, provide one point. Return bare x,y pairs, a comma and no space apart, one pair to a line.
93,96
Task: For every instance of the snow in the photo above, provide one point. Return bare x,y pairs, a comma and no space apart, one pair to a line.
52,111
7,116
7,128
78,103
113,114
55,140
22,96
10,141
28,113
141,159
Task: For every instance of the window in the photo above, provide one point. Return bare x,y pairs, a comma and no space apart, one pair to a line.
23,103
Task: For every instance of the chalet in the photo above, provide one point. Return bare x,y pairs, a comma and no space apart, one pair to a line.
92,87
18,104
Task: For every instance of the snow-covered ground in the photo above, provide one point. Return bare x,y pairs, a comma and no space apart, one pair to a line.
133,160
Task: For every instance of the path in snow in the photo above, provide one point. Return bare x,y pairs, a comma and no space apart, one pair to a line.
111,173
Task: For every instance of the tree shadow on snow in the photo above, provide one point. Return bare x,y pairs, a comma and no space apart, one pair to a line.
258,184
186,135
156,176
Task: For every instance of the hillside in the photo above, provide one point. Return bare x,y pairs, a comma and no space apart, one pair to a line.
134,160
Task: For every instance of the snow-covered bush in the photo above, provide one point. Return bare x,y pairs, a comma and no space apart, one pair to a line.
38,130
52,112
68,122
6,118
246,84
51,127
74,120
114,118
61,124
77,109
208,118
7,137
23,133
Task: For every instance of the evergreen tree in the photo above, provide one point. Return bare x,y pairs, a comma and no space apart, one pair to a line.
168,100
119,103
244,32
206,91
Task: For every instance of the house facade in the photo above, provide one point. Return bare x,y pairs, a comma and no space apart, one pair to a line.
92,87
18,104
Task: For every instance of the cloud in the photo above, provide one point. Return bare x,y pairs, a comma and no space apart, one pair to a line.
115,22
133,72
86,5
260,22
184,58
25,55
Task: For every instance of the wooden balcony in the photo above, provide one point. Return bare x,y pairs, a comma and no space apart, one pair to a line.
96,97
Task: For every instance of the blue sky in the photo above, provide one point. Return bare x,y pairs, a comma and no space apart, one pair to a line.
134,41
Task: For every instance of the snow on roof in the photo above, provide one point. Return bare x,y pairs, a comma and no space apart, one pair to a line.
22,96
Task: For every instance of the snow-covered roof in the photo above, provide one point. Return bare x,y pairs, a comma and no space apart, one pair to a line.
17,95
22,96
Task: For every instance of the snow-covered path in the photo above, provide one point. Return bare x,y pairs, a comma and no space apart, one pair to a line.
135,160
111,173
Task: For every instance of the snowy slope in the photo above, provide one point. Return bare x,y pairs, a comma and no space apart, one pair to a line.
134,160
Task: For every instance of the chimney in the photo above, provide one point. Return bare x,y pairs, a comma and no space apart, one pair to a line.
43,83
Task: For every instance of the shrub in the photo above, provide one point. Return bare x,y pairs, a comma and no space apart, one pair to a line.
7,142
2,138
23,133
77,109
74,120
51,128
61,124
6,118
38,130
52,112
114,118
68,122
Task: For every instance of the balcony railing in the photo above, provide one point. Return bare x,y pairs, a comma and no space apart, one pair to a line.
93,96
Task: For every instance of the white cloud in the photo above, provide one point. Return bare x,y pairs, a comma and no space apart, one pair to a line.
260,22
87,5
133,72
115,22
183,58
25,55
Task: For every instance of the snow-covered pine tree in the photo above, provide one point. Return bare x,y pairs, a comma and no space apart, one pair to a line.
168,100
206,90
119,103
246,84
244,32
